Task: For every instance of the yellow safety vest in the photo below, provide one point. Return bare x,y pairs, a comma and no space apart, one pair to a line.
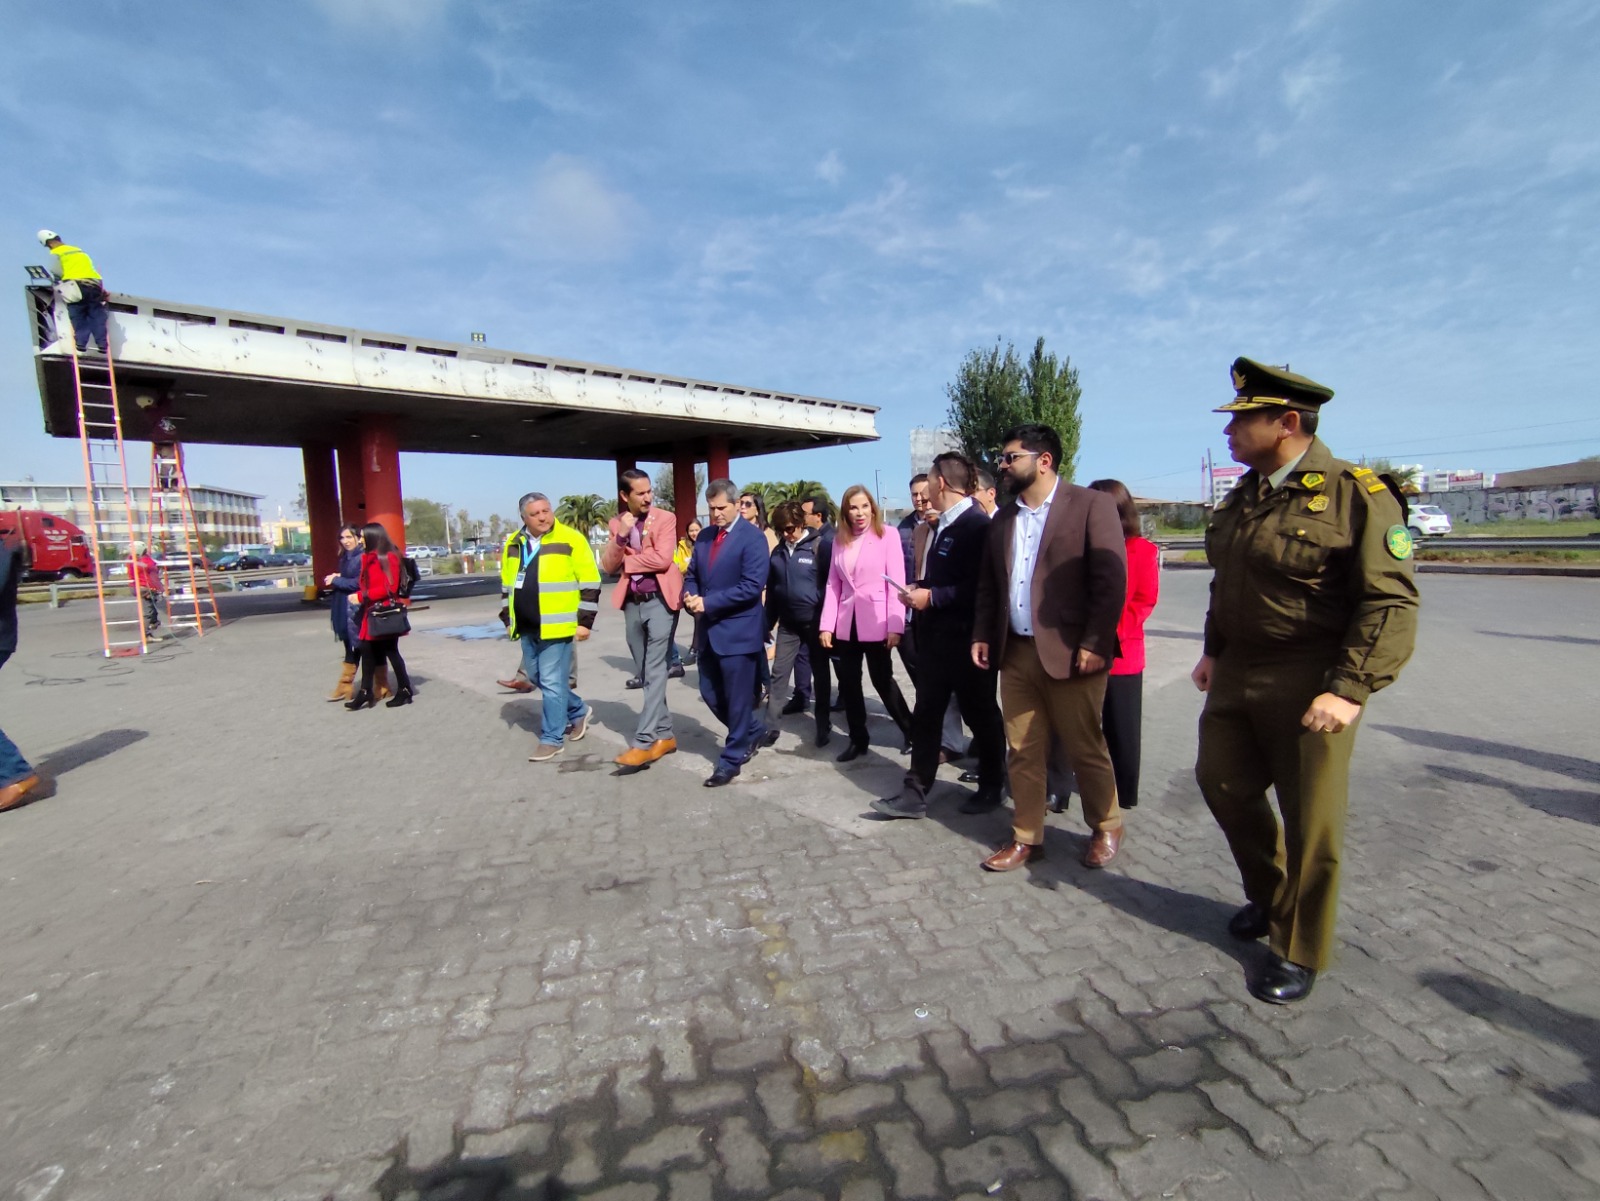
75,264
568,581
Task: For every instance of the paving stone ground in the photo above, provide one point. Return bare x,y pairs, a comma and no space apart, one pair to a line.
257,947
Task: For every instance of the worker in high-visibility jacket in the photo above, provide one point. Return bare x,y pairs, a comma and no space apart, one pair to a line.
80,285
552,591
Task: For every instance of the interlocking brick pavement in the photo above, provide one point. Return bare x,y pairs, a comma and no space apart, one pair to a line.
259,947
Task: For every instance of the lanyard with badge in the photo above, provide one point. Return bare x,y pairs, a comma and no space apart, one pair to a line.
528,556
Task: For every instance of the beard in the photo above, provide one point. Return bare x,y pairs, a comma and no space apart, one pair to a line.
1016,480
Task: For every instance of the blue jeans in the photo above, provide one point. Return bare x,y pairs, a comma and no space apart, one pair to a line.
13,766
89,317
549,666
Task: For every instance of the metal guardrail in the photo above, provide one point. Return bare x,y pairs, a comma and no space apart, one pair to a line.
59,592
1450,542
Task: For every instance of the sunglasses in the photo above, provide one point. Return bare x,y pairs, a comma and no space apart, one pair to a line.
1011,456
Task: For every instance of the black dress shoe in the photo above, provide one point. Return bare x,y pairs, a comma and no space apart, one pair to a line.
361,700
770,738
985,800
723,775
675,672
1057,802
900,806
824,738
969,777
796,704
635,682
853,751
401,697
1249,924
1282,982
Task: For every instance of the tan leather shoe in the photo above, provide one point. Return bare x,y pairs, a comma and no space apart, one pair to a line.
1012,856
660,747
636,756
16,794
1103,848
516,684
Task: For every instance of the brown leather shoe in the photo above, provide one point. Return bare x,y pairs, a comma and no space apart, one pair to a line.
16,794
660,747
1103,848
516,684
635,756
1012,856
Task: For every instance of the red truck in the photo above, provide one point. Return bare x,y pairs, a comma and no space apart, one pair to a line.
57,549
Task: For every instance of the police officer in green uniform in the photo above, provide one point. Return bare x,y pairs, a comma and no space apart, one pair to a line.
1313,609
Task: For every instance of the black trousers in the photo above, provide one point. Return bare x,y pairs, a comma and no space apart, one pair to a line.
945,669
378,650
881,668
1122,717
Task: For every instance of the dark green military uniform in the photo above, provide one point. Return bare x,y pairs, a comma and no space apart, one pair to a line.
1313,592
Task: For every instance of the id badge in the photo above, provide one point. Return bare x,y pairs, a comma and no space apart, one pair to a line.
517,584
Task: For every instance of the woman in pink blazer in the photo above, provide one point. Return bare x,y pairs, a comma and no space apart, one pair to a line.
863,616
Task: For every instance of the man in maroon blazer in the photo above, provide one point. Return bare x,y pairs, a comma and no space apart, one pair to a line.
1050,592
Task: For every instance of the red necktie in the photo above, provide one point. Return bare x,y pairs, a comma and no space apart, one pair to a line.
716,543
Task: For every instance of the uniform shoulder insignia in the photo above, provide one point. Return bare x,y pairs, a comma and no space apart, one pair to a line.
1376,486
1358,472
1398,542
1313,479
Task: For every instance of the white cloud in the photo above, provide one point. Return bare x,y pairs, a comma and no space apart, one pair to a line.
1221,81
515,76
1305,85
831,169
564,211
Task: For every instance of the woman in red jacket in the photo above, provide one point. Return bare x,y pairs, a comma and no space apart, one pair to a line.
382,572
1123,712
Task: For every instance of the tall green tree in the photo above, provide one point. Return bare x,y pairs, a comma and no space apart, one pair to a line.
662,485
585,513
424,521
1409,478
995,390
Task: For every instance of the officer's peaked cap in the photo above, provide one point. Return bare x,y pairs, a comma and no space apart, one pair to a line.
1259,386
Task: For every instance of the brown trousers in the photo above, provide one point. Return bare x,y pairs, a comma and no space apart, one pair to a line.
1034,705
1251,739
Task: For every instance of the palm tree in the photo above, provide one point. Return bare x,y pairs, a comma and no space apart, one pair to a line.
801,489
584,513
1409,478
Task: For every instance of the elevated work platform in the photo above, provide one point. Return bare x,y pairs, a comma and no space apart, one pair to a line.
250,379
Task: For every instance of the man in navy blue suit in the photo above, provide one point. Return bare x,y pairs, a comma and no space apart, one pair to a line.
727,572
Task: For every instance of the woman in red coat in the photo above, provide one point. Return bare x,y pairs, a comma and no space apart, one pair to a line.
382,572
1123,712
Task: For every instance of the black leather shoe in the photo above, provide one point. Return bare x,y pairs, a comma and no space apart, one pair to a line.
361,700
1249,924
721,776
969,777
853,751
824,738
1282,982
635,682
401,697
900,806
1057,802
770,738
675,672
796,704
985,800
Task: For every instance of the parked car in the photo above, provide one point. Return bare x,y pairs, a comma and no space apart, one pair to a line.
239,563
1429,521
420,552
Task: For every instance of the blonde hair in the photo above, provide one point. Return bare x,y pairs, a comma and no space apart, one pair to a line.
846,533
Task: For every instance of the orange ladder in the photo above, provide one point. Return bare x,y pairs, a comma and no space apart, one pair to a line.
172,526
105,477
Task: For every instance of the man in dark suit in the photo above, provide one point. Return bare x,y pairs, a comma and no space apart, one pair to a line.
944,600
1055,573
17,778
727,572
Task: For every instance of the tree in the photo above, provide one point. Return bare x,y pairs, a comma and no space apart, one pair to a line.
662,485
994,391
584,513
803,489
298,508
1409,478
498,529
424,521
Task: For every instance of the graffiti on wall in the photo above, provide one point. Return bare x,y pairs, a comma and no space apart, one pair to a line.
1482,505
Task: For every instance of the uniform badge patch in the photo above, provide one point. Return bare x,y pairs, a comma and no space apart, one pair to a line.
1317,503
1313,479
1398,542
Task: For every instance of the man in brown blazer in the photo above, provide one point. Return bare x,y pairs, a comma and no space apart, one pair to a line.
1054,576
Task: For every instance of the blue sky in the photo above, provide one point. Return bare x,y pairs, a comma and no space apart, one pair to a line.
1401,201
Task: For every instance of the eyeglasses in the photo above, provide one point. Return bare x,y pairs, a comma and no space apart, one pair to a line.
1011,456
747,503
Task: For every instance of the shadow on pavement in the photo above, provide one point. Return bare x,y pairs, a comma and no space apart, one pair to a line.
1570,639
1573,803
1566,765
109,742
1549,1023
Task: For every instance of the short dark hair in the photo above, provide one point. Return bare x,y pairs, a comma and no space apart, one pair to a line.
726,489
956,470
786,515
920,478
1308,422
1126,509
985,480
1038,438
628,479
820,505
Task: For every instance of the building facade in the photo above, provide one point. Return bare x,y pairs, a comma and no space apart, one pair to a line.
225,516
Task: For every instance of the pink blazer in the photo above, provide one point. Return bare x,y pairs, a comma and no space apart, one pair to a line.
659,542
859,598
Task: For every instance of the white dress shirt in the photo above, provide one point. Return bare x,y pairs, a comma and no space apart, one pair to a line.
1027,535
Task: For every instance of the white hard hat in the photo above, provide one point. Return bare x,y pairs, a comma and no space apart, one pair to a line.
46,236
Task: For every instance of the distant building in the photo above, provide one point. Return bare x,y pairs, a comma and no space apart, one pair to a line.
223,514
293,534
928,444
1223,481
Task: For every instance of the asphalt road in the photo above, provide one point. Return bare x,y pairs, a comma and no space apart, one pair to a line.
260,947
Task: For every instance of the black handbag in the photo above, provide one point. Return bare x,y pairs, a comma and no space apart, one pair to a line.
387,618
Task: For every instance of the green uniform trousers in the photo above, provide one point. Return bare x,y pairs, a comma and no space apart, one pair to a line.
1250,738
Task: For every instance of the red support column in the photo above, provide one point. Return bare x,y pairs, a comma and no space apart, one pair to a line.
685,496
380,477
717,459
352,492
322,508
